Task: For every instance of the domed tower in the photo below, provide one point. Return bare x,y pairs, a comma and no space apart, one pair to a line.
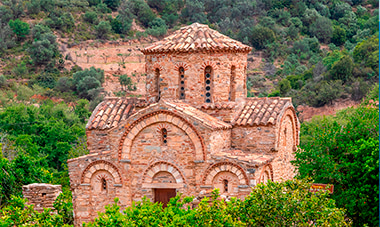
197,65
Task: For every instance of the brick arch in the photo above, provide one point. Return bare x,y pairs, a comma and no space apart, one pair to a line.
162,166
267,168
290,111
213,170
157,66
162,116
181,64
208,63
101,165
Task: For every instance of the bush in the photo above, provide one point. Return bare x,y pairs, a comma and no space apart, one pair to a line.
261,36
342,69
290,202
103,29
343,150
20,28
322,29
3,81
338,36
91,17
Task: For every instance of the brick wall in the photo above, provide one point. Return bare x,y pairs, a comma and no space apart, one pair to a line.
41,195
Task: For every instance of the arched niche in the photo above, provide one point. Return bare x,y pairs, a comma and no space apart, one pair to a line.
160,117
163,175
97,169
213,171
266,174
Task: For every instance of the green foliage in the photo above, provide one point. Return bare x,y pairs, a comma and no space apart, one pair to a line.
103,29
126,83
125,18
343,150
338,36
50,130
43,50
367,53
20,28
284,86
158,27
88,82
18,213
289,203
112,4
91,17
342,69
261,36
322,29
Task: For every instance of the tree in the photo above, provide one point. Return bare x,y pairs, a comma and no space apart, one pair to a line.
261,36
284,86
322,29
367,53
126,83
342,69
343,150
20,28
125,18
103,29
112,4
44,50
338,36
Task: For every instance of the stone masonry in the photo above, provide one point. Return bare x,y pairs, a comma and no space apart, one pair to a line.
195,130
41,195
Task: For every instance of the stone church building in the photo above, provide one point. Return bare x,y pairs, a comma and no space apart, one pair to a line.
196,130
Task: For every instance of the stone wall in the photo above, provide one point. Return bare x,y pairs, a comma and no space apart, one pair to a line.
260,139
41,195
194,65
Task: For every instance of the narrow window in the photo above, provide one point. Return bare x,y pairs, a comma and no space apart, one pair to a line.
232,94
181,83
164,135
208,84
284,142
157,81
225,185
104,184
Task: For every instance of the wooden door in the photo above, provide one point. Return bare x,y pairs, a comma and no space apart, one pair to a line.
163,195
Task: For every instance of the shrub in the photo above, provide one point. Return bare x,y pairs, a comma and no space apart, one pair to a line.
103,29
342,69
261,36
322,29
91,17
20,28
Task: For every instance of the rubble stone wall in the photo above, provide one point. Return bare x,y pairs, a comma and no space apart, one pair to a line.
41,195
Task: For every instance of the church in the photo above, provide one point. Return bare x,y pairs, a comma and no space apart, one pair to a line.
195,130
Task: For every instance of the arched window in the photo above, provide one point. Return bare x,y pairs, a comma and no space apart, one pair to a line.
181,71
208,84
157,84
225,186
104,184
164,136
232,94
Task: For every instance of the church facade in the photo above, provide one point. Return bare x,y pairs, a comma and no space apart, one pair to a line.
195,131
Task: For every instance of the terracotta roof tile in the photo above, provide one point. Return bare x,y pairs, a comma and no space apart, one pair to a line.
261,111
205,118
196,37
256,159
111,111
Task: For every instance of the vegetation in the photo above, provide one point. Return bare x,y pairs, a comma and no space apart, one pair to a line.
314,51
343,150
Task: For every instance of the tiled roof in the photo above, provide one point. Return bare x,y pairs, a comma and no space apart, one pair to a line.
261,111
196,37
111,111
219,106
205,118
256,159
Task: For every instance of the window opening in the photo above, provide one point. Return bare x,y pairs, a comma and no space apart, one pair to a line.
158,84
208,84
225,185
104,184
182,83
232,94
164,133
